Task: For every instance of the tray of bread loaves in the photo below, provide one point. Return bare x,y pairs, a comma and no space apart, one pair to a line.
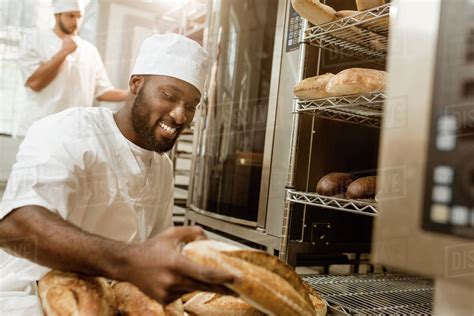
341,191
361,33
264,286
353,95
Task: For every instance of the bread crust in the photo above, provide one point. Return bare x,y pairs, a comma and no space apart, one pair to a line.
212,304
362,188
368,4
356,81
259,278
313,87
314,11
64,293
334,183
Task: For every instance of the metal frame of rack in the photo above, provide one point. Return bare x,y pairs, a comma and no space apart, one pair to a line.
365,109
375,294
363,207
363,35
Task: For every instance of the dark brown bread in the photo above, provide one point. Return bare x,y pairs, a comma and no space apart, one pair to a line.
363,188
334,183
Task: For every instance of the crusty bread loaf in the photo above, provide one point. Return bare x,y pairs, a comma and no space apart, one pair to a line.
313,87
63,293
314,11
345,13
212,304
259,279
334,183
362,188
355,81
133,302
368,4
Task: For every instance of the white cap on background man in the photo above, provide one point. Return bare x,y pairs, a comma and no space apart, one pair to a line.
61,6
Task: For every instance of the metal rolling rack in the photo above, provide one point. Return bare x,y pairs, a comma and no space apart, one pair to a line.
363,36
375,294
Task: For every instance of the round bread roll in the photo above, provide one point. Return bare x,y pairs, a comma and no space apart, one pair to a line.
63,293
262,280
362,188
334,183
313,87
356,81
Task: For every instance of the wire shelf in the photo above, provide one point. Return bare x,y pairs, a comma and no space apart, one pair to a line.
335,203
375,294
363,109
364,35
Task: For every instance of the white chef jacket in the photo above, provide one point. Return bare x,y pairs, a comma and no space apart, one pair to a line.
79,165
80,80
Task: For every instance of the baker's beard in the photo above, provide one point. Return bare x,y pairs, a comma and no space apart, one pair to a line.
64,29
146,132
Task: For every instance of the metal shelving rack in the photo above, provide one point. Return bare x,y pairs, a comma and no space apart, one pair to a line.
365,109
363,35
363,207
375,294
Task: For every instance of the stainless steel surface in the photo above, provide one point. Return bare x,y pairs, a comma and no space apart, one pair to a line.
362,207
239,232
276,130
223,217
228,160
363,35
365,109
292,161
375,294
399,238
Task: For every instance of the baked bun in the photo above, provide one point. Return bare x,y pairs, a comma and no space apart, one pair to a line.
313,87
63,293
362,188
133,302
334,183
262,280
355,81
212,304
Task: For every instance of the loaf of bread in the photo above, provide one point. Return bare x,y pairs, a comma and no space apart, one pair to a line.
355,81
368,4
314,11
313,87
345,13
63,293
262,280
334,183
212,304
133,302
362,188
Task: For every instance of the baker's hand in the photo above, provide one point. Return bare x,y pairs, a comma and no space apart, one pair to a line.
69,46
157,267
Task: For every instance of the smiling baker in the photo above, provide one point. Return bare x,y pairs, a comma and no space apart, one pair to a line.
92,190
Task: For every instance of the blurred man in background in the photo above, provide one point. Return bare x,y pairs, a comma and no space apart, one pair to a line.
61,70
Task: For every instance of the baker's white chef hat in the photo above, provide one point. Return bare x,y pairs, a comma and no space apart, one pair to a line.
175,56
61,6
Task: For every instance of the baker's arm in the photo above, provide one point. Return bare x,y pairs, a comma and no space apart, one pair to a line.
114,95
155,266
45,73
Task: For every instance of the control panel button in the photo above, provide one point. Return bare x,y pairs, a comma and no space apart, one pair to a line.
439,214
459,215
447,124
446,142
441,194
443,175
